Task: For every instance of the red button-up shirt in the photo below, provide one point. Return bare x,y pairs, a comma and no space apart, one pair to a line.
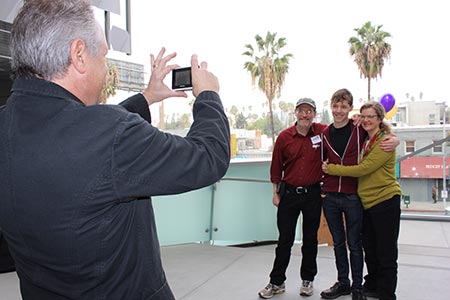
296,159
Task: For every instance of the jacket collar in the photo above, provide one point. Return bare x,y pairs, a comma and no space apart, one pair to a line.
41,87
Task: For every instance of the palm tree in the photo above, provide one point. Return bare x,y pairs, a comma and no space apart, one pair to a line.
162,114
370,50
234,112
268,68
285,110
111,82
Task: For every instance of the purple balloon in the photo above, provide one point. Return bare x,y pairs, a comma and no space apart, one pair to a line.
388,102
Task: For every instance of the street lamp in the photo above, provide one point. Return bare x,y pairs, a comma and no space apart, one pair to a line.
444,176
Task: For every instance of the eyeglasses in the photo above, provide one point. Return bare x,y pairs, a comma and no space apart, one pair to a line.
370,117
307,112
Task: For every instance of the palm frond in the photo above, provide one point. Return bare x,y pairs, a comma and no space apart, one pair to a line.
370,50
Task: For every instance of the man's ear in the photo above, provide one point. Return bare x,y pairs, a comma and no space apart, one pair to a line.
78,52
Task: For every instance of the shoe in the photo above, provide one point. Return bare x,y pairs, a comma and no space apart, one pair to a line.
371,293
271,289
338,289
307,288
358,295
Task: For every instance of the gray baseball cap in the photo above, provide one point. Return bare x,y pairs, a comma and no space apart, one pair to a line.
308,101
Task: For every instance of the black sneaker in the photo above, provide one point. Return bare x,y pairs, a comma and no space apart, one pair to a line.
337,290
358,295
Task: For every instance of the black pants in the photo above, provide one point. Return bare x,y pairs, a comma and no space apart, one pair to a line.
292,203
381,226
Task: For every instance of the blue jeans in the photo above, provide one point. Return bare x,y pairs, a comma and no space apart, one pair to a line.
336,207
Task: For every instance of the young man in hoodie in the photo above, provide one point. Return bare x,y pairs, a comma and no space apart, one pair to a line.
342,142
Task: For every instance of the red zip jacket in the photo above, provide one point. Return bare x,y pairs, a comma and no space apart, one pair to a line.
342,184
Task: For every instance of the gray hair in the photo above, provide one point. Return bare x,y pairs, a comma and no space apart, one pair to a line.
42,34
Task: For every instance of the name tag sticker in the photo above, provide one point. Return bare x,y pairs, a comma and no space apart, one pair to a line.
316,139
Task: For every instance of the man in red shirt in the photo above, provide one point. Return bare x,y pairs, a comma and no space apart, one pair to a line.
296,176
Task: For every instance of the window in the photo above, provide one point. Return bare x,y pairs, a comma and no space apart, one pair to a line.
437,148
410,146
432,119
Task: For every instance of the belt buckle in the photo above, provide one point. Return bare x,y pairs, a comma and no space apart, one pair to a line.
301,190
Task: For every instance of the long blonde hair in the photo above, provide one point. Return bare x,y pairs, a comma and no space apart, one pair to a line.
379,110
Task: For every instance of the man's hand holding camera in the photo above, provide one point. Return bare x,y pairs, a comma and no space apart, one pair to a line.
202,79
157,90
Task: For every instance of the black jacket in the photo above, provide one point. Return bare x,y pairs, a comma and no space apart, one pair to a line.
75,186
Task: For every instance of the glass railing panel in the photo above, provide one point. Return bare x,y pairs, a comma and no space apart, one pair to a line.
243,212
238,209
184,218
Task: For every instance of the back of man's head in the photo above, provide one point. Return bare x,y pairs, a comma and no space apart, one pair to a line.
42,34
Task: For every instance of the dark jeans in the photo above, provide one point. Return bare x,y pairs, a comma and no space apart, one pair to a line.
310,204
335,207
381,226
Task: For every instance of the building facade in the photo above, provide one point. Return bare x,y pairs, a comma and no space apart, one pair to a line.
422,155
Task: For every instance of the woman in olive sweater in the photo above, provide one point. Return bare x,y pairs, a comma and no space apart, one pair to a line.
380,195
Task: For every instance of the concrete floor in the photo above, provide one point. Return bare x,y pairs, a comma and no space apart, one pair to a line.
205,272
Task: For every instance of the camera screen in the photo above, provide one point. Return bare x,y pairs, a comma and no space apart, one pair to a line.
181,79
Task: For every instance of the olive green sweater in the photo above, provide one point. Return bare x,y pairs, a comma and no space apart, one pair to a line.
376,176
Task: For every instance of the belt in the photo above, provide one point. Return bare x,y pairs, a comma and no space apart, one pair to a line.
303,189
